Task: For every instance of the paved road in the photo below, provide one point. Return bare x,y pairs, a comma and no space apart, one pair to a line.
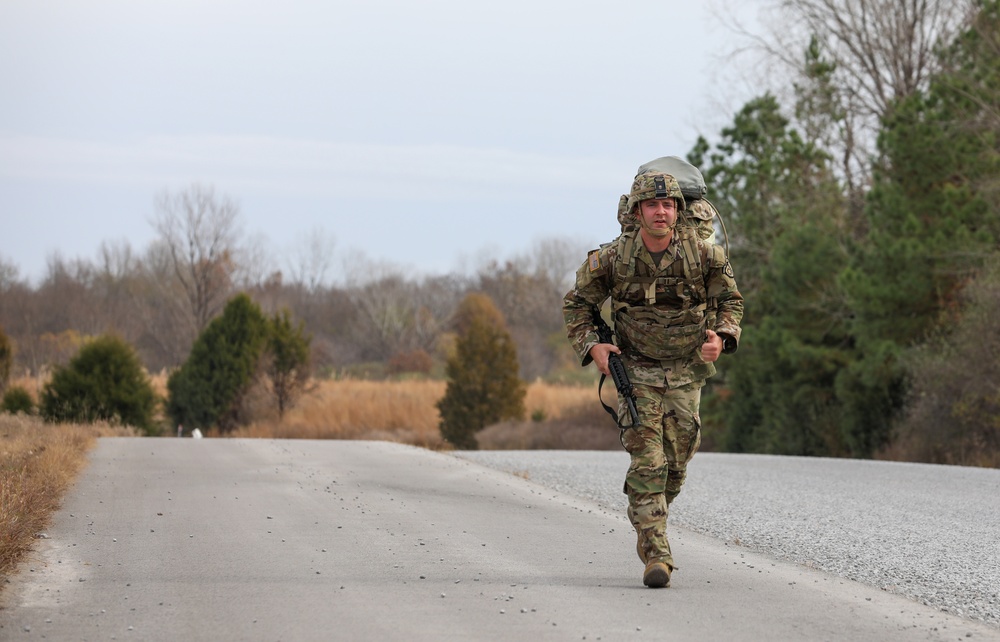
167,539
925,531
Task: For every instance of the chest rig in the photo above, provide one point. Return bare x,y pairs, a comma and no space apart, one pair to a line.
660,312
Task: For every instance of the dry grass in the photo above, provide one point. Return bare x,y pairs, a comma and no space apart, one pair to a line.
346,409
402,411
559,416
586,427
159,383
38,462
33,385
556,401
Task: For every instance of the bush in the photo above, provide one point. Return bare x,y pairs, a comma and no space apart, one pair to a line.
953,415
105,381
587,427
208,389
483,384
16,400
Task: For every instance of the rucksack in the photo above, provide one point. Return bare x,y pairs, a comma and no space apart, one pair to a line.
700,213
688,176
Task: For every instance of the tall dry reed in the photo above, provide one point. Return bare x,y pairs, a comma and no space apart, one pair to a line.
33,385
347,409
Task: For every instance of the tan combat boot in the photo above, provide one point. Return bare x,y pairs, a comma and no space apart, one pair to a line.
656,575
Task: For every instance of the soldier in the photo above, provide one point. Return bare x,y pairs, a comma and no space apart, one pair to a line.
676,309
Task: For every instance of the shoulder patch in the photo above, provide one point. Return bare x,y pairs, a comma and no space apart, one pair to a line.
594,260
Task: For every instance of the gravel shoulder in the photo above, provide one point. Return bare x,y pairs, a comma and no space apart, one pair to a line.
927,532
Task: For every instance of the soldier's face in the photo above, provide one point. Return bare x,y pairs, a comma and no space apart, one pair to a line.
659,213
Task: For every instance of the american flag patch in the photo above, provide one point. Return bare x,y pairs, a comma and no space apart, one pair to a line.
594,259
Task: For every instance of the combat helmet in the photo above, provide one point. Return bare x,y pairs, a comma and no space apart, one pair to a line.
688,176
647,186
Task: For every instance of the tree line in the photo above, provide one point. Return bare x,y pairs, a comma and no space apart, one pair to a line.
244,365
378,319
864,215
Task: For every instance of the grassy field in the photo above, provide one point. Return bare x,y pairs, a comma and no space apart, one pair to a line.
404,411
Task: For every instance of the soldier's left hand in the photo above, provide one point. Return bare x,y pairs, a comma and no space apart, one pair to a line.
711,350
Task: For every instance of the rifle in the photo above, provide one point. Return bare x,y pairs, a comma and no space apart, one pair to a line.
618,375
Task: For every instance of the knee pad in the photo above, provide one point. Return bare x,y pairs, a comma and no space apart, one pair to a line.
646,479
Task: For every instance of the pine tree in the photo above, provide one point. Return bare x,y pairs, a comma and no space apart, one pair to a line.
207,390
786,214
483,383
286,359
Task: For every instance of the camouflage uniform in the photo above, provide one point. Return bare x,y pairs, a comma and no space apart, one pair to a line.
661,315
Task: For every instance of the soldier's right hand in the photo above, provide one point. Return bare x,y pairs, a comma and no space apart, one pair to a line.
599,353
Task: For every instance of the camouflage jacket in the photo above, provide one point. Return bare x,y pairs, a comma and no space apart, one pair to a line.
660,312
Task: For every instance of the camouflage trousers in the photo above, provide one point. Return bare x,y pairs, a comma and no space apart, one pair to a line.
667,439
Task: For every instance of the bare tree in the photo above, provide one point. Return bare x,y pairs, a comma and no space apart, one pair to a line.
166,334
253,264
116,279
389,316
528,291
65,297
201,233
9,274
393,313
311,259
555,260
308,268
880,51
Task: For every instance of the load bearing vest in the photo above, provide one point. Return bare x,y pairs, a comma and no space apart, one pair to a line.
661,317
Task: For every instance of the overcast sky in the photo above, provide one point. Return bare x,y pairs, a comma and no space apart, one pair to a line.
426,134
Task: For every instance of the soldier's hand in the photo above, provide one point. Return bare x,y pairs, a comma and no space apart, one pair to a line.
711,350
599,354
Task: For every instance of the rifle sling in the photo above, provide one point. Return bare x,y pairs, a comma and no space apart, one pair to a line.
610,411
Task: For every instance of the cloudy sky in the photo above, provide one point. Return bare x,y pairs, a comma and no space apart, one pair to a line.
426,134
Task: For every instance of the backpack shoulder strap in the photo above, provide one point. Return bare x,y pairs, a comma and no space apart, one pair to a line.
694,271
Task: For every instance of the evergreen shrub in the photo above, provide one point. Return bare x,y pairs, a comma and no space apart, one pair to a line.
17,400
483,383
105,381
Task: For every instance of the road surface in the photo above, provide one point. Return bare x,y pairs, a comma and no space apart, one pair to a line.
167,539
